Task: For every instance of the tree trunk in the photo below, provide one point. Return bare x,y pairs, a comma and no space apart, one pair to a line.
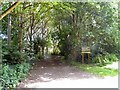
31,29
0,40
9,29
73,37
21,34
43,51
21,29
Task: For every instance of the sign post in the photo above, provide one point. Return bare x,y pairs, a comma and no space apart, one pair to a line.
87,51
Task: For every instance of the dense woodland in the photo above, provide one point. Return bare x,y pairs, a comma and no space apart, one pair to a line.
33,31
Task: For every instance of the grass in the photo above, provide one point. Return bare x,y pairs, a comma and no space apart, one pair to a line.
94,69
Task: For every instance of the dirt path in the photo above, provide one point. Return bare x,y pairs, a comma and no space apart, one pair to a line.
52,74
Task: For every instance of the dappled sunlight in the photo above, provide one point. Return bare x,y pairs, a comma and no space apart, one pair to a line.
59,45
65,76
79,83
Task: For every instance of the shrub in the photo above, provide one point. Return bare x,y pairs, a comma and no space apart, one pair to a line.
22,69
39,55
56,51
12,56
12,74
105,59
9,78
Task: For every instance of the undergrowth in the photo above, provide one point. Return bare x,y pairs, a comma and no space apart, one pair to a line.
11,75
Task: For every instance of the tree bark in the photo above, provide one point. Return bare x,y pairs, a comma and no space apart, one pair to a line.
73,37
0,40
21,34
9,29
31,29
21,30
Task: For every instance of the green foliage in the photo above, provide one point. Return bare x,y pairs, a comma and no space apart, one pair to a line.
86,24
105,59
56,51
11,75
39,55
39,43
11,55
63,59
9,78
111,41
22,69
69,25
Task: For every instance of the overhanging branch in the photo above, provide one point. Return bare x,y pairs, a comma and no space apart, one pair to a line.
9,10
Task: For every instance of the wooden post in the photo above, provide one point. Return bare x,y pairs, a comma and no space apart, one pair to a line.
88,57
82,58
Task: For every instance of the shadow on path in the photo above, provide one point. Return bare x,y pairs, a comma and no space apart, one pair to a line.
49,70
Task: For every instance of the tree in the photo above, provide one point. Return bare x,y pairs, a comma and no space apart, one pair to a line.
66,25
85,21
9,28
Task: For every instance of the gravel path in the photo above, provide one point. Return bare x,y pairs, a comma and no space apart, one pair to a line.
57,75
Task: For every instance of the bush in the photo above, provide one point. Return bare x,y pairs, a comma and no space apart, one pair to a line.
105,59
12,56
11,75
39,55
56,51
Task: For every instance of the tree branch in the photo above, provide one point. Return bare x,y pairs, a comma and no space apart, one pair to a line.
9,10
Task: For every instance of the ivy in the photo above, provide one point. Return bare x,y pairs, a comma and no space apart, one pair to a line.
12,75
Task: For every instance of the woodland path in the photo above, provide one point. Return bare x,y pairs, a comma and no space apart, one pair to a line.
54,74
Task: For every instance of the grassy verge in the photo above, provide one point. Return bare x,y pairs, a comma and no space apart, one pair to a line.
94,69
